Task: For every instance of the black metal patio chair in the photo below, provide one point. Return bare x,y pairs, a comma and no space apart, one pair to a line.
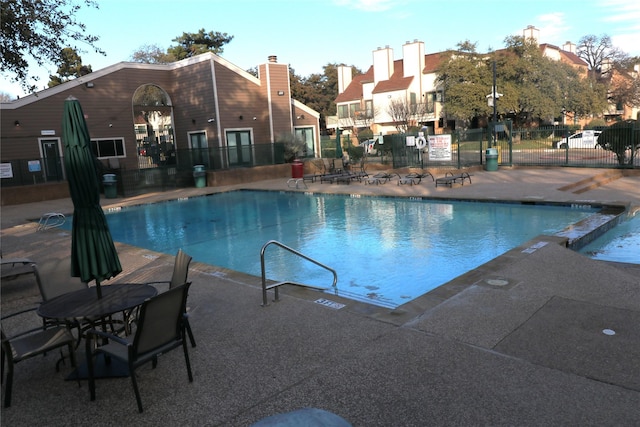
160,328
23,345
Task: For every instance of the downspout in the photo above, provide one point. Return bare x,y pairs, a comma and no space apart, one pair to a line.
269,99
225,160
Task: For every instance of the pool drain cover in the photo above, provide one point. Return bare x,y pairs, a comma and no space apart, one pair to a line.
497,282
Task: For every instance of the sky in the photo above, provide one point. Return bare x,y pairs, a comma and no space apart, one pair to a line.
309,34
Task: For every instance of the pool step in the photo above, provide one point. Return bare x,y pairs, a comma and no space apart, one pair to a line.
593,182
275,285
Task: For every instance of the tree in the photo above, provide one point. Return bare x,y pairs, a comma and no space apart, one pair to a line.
533,87
192,44
5,97
318,91
466,80
152,54
623,139
70,67
39,30
600,54
405,114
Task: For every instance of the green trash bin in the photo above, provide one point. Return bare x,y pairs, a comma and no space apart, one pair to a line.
199,176
110,184
491,163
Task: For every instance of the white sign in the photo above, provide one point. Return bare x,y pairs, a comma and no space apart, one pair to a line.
589,138
47,132
440,148
329,303
411,141
5,170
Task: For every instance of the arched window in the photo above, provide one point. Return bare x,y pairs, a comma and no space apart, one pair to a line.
153,121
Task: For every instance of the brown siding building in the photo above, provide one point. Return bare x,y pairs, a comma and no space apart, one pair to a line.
140,115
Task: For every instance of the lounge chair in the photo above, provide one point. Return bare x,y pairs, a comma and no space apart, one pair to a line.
320,170
415,178
381,178
13,267
451,178
358,172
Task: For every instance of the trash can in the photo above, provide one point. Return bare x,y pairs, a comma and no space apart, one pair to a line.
110,184
199,176
297,169
491,163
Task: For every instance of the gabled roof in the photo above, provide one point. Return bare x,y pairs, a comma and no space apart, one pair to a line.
565,56
207,56
397,81
433,61
354,92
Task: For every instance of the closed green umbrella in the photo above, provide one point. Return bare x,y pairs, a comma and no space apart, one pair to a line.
339,154
93,254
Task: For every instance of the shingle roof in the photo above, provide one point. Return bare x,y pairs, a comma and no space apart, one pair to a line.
353,92
397,81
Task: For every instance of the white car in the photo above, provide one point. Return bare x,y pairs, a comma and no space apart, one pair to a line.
584,139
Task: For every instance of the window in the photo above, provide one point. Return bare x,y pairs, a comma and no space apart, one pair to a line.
105,148
412,98
353,108
368,107
343,111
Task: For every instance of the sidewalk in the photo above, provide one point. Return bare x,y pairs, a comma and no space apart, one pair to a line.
519,341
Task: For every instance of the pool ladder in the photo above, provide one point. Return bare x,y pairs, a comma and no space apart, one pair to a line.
50,220
275,286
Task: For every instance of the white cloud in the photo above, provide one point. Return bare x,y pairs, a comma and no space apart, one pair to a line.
623,11
552,26
626,16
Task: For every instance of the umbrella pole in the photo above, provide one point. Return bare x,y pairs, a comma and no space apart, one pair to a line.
98,290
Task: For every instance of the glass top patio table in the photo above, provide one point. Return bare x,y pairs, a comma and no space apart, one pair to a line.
85,303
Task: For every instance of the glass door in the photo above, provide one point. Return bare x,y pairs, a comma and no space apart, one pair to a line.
306,135
51,159
239,146
199,148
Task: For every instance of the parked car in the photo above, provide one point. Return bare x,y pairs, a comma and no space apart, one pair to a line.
584,139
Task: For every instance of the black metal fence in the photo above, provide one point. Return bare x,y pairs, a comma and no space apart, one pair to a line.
460,149
551,146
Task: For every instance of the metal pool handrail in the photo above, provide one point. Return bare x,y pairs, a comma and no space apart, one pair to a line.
276,285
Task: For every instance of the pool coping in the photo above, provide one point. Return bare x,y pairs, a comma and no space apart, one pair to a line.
572,237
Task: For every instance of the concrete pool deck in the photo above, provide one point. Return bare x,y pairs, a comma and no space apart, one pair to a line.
518,341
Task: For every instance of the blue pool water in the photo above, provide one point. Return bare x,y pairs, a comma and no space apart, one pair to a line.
386,251
622,244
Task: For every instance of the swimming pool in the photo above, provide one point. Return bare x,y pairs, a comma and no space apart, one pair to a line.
386,251
621,244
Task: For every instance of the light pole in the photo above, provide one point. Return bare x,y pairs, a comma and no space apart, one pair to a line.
495,107
493,101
